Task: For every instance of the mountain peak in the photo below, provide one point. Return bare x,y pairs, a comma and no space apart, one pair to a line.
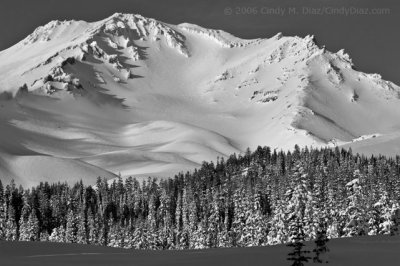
138,96
133,27
129,16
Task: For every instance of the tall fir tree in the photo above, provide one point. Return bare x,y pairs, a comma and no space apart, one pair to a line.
299,254
321,241
71,228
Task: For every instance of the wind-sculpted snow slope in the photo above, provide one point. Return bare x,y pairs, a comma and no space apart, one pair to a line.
136,96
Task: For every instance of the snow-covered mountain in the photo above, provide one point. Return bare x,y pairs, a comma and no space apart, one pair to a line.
136,96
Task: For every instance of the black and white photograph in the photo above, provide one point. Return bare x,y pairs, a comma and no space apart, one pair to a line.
199,132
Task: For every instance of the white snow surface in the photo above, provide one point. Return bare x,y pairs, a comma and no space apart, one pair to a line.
134,96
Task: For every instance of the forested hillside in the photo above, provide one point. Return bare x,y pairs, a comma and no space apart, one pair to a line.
253,199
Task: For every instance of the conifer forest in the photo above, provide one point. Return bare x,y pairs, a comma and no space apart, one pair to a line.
257,198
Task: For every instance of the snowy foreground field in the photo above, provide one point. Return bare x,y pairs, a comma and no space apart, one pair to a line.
376,250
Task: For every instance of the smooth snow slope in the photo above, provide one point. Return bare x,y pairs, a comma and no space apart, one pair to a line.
355,251
136,96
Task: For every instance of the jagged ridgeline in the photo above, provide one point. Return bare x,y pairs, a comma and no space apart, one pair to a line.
246,200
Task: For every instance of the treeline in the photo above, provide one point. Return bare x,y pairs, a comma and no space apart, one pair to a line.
258,198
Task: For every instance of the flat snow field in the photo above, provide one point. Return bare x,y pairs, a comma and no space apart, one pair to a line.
376,250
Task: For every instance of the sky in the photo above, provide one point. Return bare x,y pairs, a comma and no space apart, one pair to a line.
372,40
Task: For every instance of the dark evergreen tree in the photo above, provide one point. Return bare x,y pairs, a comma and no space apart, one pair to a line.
320,243
298,255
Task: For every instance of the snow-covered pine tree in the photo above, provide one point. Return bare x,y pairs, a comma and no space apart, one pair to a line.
29,228
200,236
243,204
294,205
82,233
383,216
318,206
224,235
192,220
312,213
255,226
278,226
165,231
128,238
113,234
298,255
71,229
11,229
321,242
14,205
178,221
94,228
58,234
135,238
23,221
44,236
143,241
356,211
213,222
151,224
2,212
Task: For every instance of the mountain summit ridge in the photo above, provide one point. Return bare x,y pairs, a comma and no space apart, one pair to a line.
137,96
